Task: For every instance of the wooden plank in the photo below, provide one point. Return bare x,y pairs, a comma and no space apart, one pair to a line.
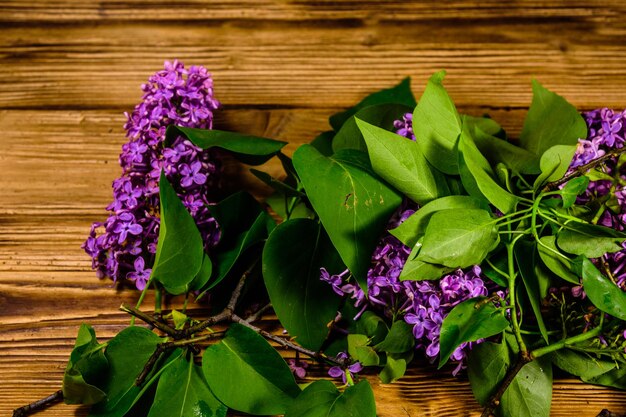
489,63
189,10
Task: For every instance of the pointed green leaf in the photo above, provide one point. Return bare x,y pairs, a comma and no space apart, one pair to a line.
247,374
360,350
398,94
437,125
615,378
124,367
85,369
459,238
469,321
554,163
395,367
486,368
382,116
589,240
303,303
399,340
602,292
559,265
580,364
479,178
573,189
353,204
527,257
182,391
401,163
180,250
530,392
551,120
323,399
498,150
415,226
252,150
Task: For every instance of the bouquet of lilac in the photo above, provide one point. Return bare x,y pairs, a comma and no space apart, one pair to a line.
408,229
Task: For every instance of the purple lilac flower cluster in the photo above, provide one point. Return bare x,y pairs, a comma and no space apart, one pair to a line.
424,304
607,131
123,246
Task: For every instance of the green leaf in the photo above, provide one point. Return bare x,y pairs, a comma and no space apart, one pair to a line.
526,256
469,321
589,240
478,176
243,224
382,116
252,150
573,189
551,120
124,366
437,125
277,185
497,150
530,392
602,292
401,163
559,265
615,378
417,270
303,303
459,238
395,367
554,163
183,392
353,204
324,143
180,250
399,340
486,125
399,94
486,368
203,276
323,399
372,326
414,227
86,367
359,349
580,364
247,374
496,260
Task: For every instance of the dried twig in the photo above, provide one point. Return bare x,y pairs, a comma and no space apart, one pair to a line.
38,405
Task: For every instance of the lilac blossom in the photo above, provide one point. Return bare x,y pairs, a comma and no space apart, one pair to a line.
423,304
298,367
123,246
351,370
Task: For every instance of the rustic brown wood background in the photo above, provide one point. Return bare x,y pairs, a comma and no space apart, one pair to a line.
70,68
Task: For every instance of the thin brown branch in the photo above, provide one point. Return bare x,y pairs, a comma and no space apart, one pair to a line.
582,170
258,314
154,322
225,315
164,347
38,405
494,400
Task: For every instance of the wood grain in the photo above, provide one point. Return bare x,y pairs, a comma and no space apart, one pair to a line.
71,68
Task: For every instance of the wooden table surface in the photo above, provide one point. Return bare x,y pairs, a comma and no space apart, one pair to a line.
70,68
